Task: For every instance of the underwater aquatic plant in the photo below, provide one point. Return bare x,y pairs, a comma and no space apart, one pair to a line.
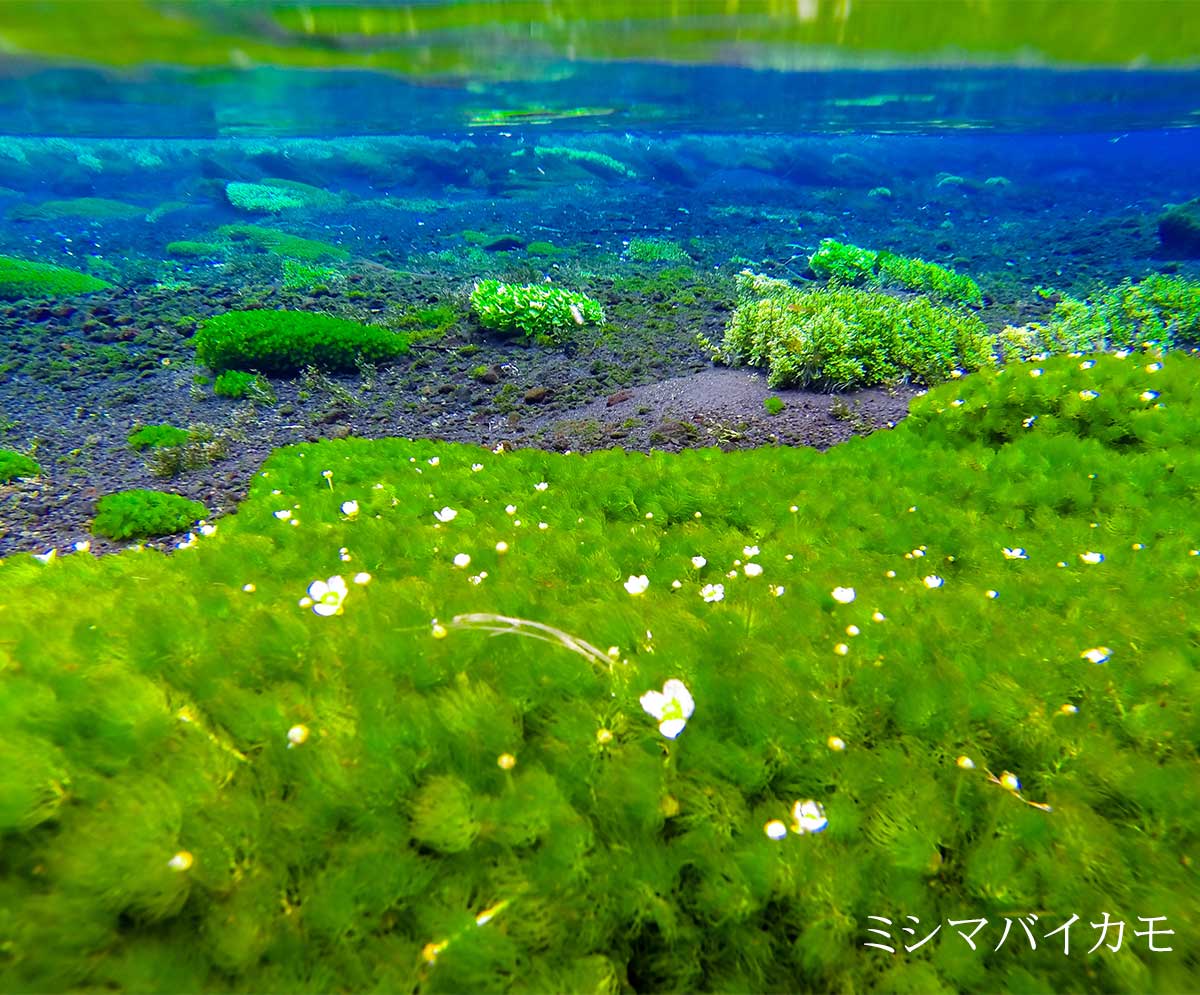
154,436
140,514
538,313
22,278
14,464
289,341
853,266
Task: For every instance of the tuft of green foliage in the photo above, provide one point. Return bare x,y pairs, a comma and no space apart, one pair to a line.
426,324
201,773
89,208
142,514
22,278
774,405
841,337
282,243
288,341
14,464
156,436
656,250
194,250
240,385
299,275
1160,310
538,313
594,162
854,266
261,198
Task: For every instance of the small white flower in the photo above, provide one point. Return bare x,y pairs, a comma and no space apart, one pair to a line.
182,861
249,588
808,817
841,649
502,547
362,578
1037,372
1017,553
540,486
510,509
1087,364
878,616
1148,395
476,467
205,530
699,562
933,580
1027,422
958,403
966,763
83,546
1090,557
852,630
992,594
638,584
284,514
462,560
1088,395
349,508
1069,710
446,515
1137,545
543,526
752,570
775,829
327,596
1153,367
1098,655
777,591
676,584
844,595
297,735
1121,353
437,630
1010,780
672,706
433,461
749,550
836,743
713,592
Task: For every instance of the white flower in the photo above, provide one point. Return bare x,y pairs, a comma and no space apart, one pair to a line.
1099,654
1088,395
446,515
777,591
433,461
637,585
502,547
1153,367
957,403
543,526
541,486
878,616
713,592
992,594
933,580
249,588
852,630
844,595
676,584
841,649
205,530
749,550
476,467
327,596
283,515
83,545
775,829
808,817
699,562
1017,553
1087,364
462,560
1121,353
362,578
510,509
1010,780
1090,557
966,763
836,743
297,735
672,706
1148,395
1069,710
1027,422
752,570
437,630
349,508
1036,372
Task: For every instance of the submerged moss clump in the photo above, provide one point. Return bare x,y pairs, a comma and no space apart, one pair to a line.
288,341
854,266
22,278
656,250
538,313
155,436
282,243
14,464
842,337
142,514
321,718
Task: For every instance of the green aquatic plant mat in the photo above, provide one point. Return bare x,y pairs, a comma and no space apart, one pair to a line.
155,436
288,341
282,243
854,266
1162,311
141,514
843,337
22,278
261,764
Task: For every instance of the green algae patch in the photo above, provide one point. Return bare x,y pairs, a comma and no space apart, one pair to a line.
282,243
141,514
14,464
418,711
537,313
288,341
23,278
852,265
88,208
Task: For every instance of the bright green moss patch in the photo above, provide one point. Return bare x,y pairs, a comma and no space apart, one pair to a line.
538,313
239,385
193,746
89,208
843,337
194,250
14,464
656,250
288,341
141,514
855,266
22,278
155,436
281,243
